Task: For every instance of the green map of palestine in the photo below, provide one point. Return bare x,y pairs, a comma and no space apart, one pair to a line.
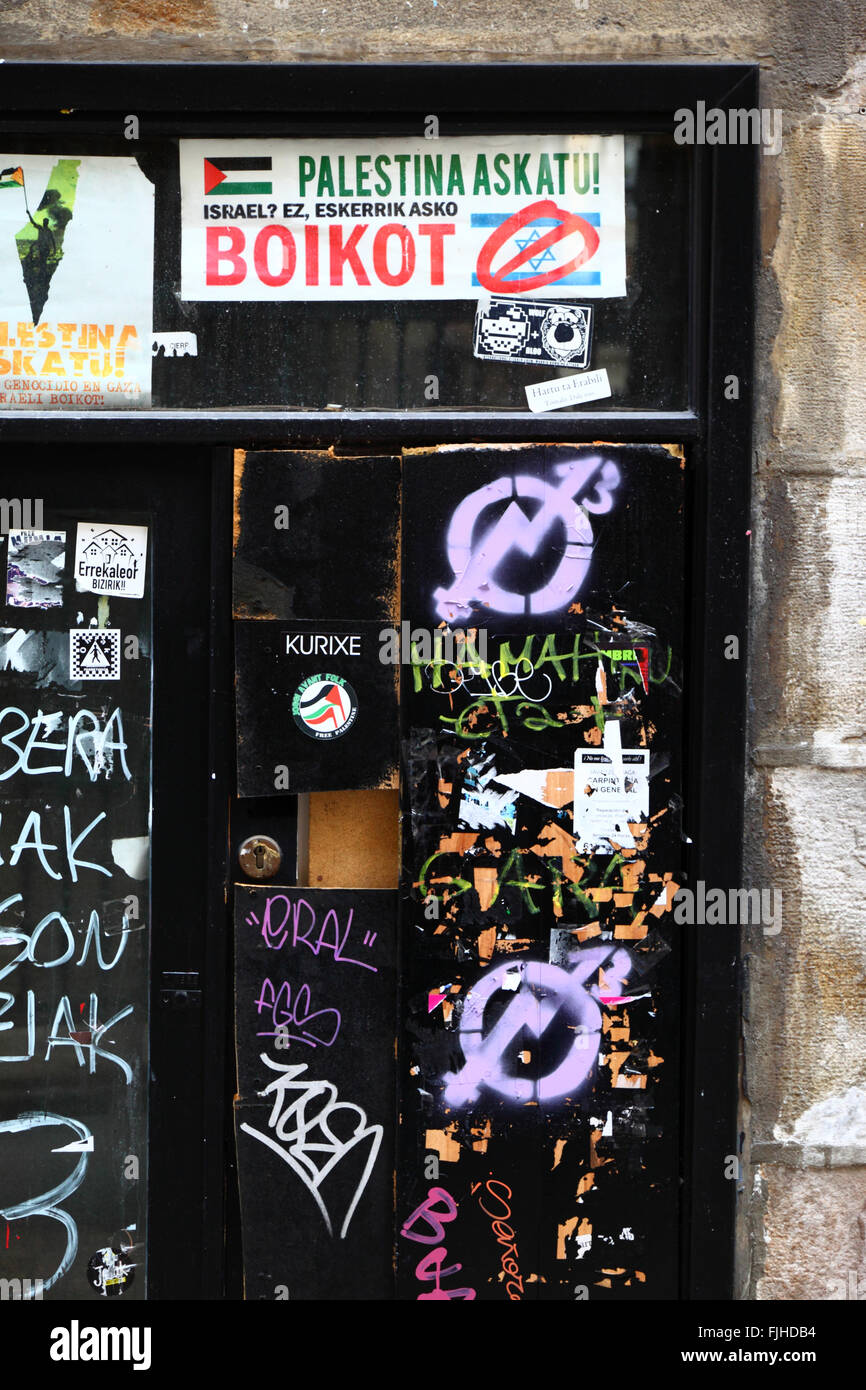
40,242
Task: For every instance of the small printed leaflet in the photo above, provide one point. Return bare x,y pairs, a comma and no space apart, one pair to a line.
34,569
611,793
567,390
174,344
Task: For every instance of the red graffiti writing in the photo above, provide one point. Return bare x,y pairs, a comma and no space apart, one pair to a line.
505,1234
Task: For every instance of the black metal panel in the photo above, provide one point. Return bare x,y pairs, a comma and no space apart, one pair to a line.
346,431
75,885
208,89
315,987
313,719
540,978
314,575
185,1125
714,804
331,553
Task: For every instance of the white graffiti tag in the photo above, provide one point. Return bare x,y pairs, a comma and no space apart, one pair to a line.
540,992
475,565
312,1149
48,1203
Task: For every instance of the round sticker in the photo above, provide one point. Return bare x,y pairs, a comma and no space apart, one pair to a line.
108,1272
324,706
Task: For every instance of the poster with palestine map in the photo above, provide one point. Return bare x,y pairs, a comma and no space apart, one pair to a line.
76,282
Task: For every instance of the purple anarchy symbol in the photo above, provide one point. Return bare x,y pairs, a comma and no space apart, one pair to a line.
543,991
474,566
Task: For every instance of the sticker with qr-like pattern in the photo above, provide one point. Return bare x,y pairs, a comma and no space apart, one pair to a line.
538,332
94,653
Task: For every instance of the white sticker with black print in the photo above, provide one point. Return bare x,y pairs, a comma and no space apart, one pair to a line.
94,653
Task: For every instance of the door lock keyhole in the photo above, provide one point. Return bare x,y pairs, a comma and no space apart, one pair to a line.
260,856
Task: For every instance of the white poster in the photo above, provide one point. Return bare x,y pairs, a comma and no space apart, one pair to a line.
409,218
611,793
76,282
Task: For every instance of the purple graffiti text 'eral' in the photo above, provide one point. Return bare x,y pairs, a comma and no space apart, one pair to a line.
296,922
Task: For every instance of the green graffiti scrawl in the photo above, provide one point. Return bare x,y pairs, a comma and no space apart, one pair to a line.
40,242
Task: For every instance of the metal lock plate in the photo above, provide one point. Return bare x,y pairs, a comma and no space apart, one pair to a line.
260,856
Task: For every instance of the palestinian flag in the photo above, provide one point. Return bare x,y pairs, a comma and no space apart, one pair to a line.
12,178
325,705
217,170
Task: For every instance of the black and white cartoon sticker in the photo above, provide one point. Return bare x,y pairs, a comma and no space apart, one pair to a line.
535,331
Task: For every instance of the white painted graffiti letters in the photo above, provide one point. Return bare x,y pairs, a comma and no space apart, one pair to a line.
301,1118
47,1203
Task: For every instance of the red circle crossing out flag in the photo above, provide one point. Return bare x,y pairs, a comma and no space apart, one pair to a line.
498,282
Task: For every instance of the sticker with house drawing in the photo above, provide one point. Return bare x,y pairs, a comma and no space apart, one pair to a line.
110,559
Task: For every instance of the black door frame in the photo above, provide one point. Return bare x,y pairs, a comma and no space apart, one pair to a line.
173,100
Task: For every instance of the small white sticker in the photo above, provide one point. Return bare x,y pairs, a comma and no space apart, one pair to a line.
94,653
568,390
174,344
110,559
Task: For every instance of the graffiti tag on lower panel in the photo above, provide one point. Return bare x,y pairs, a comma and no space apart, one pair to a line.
437,1209
301,1119
48,1203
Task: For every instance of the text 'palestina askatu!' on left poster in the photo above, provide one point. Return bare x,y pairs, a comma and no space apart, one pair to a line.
76,282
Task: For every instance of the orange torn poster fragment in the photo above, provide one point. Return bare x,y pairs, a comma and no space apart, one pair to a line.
441,1142
486,945
482,1133
485,885
555,843
563,1231
579,1225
